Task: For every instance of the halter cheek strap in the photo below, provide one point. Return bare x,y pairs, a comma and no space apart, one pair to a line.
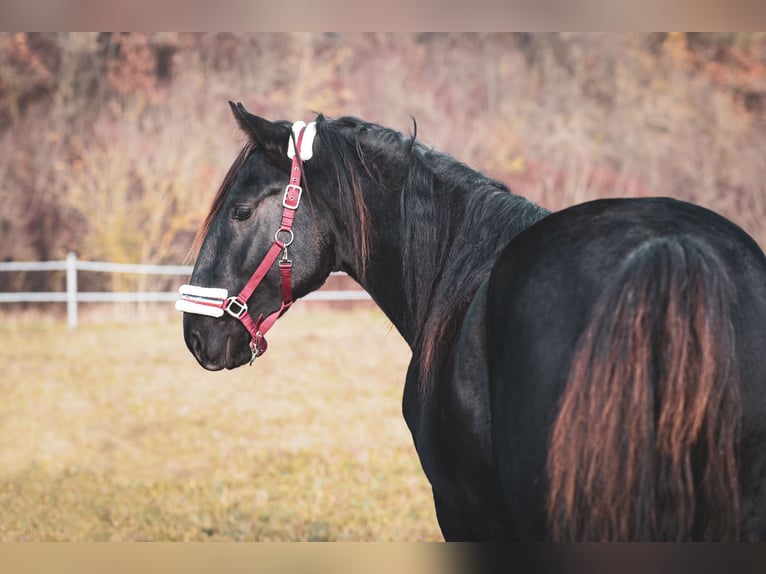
215,302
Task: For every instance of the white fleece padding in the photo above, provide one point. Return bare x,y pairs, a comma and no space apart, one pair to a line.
307,145
193,300
203,292
197,308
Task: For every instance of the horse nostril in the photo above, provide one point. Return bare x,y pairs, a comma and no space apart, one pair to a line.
195,344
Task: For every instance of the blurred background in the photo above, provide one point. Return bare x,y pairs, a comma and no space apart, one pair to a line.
112,146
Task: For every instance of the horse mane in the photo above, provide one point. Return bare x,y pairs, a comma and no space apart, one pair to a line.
474,218
348,156
454,222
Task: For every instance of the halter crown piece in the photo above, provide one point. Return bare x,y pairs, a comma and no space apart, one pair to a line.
214,301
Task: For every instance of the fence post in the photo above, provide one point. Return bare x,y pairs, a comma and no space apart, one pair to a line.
71,290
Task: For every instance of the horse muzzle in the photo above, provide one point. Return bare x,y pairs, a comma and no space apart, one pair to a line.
216,346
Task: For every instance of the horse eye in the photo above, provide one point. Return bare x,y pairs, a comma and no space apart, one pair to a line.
241,212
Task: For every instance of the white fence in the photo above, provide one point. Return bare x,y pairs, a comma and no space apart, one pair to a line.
72,296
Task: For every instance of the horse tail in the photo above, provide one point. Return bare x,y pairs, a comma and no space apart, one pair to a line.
644,443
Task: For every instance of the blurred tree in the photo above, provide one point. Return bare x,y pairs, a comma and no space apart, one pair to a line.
112,144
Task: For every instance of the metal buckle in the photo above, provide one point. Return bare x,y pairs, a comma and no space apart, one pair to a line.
294,200
254,354
230,302
258,346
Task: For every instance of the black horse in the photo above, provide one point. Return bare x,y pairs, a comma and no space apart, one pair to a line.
598,373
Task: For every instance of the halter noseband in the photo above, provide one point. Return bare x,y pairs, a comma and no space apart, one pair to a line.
213,301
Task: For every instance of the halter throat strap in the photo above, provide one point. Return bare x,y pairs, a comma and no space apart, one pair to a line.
214,302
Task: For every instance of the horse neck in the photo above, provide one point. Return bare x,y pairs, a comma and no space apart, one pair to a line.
436,227
471,229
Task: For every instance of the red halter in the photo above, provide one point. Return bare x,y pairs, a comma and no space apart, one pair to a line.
192,297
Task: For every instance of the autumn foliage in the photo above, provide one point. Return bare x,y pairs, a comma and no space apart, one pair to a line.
111,145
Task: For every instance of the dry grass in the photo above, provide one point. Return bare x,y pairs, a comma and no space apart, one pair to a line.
113,432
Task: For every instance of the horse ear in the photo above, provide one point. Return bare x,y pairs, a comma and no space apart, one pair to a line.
272,137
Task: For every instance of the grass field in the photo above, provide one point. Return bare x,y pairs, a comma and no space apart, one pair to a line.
114,433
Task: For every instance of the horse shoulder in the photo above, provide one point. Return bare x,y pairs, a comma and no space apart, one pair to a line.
451,427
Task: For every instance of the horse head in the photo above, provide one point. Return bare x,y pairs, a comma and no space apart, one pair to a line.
265,242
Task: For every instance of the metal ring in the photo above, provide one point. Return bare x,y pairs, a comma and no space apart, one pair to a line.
285,243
